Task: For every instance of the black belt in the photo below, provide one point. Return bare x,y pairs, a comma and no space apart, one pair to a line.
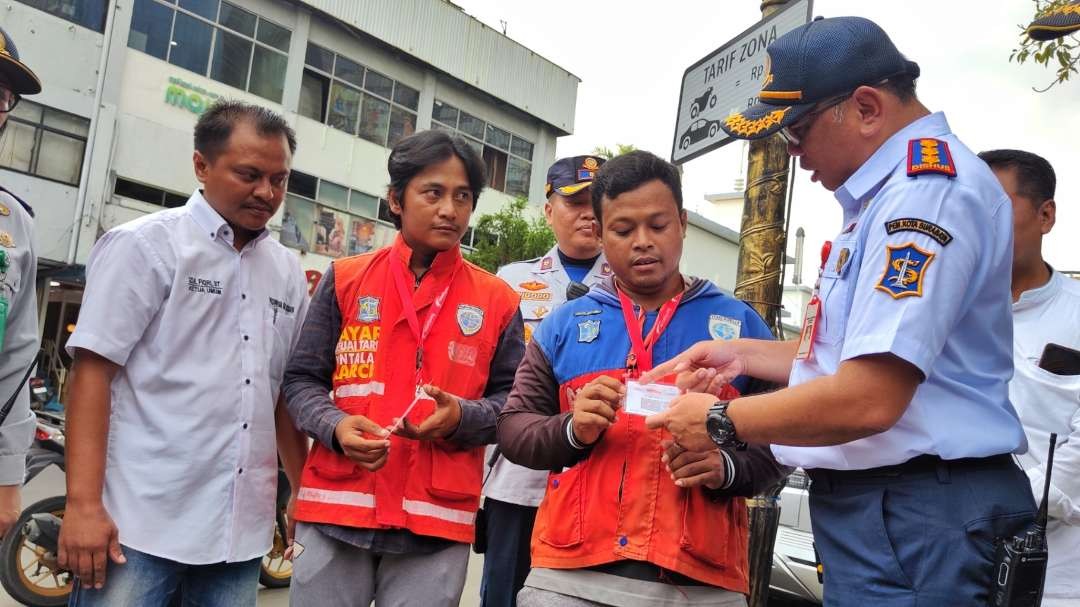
646,571
917,466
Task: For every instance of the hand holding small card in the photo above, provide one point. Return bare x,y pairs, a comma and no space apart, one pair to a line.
648,399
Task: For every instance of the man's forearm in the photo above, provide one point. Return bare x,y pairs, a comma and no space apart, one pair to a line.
87,429
865,397
768,360
292,445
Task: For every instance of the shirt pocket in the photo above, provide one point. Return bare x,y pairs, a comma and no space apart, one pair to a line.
836,289
278,329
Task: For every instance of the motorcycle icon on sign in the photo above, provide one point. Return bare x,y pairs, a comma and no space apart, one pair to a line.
698,130
707,99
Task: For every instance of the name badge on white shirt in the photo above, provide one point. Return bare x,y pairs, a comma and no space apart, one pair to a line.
650,398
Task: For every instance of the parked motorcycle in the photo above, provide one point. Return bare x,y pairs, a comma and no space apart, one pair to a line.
30,572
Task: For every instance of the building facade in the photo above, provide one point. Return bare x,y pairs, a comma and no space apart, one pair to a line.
110,136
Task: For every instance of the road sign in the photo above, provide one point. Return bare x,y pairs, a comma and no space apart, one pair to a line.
727,80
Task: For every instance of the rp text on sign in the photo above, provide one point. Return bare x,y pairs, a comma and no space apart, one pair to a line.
727,80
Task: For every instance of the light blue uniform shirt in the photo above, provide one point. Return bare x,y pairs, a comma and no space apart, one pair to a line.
944,308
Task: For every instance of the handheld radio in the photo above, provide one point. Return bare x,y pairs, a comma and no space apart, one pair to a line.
1020,562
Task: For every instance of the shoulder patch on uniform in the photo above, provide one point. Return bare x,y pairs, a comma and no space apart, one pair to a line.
28,208
927,155
546,264
905,269
913,224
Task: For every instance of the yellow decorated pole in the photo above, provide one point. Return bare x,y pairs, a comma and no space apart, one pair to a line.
762,244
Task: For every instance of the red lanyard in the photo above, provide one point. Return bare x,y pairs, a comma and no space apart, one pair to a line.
640,356
397,268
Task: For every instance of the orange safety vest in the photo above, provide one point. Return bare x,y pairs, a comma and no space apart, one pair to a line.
428,487
620,503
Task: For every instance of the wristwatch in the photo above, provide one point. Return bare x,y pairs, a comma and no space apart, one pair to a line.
720,427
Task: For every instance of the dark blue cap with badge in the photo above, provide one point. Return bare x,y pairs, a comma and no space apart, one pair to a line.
569,176
816,62
21,79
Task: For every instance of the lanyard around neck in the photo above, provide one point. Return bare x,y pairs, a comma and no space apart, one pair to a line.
640,357
405,294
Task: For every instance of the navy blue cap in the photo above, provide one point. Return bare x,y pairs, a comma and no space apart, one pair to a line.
821,60
1055,22
569,176
21,78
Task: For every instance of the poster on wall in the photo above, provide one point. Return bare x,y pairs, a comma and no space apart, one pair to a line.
361,236
298,223
330,232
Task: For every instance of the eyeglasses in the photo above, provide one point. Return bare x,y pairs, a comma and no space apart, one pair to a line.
8,99
795,133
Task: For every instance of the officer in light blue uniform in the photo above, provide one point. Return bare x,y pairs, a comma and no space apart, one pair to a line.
19,339
898,403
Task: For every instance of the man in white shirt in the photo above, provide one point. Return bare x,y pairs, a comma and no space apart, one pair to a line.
187,321
1046,309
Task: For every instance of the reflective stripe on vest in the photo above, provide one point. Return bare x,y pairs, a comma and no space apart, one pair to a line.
461,517
367,500
366,389
344,498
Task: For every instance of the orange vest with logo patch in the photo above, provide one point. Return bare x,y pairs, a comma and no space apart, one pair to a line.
428,487
619,503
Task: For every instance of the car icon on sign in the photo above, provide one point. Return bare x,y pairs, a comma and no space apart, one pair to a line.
699,129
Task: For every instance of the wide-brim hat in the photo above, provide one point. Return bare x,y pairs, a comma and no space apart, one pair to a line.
22,79
1055,22
816,62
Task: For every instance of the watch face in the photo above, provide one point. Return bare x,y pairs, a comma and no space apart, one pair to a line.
719,431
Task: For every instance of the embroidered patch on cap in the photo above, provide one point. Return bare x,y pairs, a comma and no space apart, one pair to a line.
929,156
905,269
367,309
469,319
912,224
588,331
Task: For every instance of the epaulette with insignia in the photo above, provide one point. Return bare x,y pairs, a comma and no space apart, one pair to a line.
28,208
926,155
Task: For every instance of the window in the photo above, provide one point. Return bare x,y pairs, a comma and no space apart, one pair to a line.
147,193
356,99
314,93
45,142
330,219
214,38
507,157
87,13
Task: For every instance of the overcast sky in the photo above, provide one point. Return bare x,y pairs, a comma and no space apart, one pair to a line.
631,55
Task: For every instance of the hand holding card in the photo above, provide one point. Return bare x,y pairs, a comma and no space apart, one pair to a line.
649,399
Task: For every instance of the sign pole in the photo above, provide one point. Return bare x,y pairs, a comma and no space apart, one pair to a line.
762,247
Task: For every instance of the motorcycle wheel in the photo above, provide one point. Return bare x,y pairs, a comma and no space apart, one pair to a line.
29,573
276,570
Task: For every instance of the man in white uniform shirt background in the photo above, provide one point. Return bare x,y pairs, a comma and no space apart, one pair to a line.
1046,309
187,321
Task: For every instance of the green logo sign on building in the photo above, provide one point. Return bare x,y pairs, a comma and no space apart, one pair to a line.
190,97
